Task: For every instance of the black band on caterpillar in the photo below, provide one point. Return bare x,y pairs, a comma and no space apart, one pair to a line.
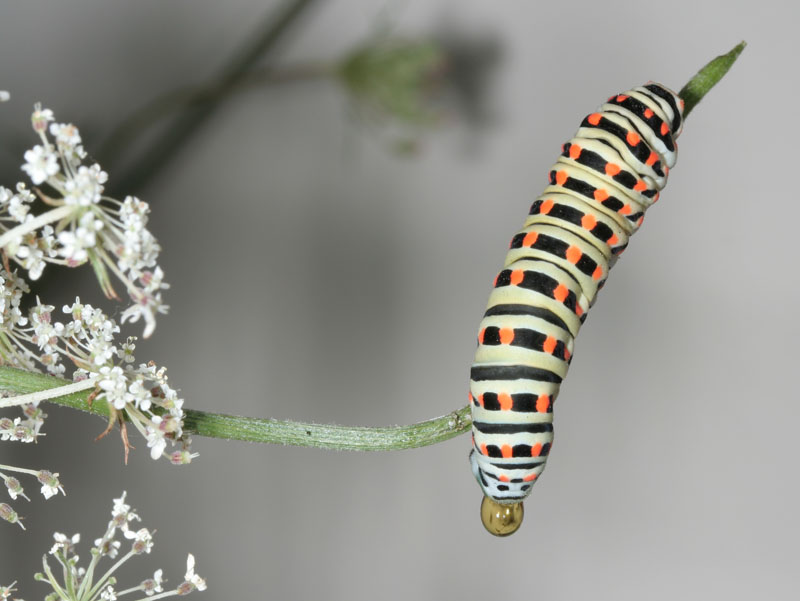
603,182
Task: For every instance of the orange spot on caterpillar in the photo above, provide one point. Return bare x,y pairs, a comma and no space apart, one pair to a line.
578,309
530,478
560,293
664,129
600,195
530,239
517,276
549,345
574,254
505,401
574,151
588,222
625,210
612,169
648,113
567,354
535,449
561,177
506,451
594,118
480,402
506,335
613,240
640,186
542,403
546,207
503,478
481,335
632,138
651,160
621,97
484,450
597,273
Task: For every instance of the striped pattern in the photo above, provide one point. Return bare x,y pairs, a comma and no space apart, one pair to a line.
601,185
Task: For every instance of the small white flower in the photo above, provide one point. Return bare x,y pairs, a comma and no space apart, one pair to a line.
153,585
40,163
107,547
63,542
191,577
142,540
40,118
115,384
50,483
15,488
121,515
86,187
156,441
146,307
8,514
140,395
108,594
68,139
5,97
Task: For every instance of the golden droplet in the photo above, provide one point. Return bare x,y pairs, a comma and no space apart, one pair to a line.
500,519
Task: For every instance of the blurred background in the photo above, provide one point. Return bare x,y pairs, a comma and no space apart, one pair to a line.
331,230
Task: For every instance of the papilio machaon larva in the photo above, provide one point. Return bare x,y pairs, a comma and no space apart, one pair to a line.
600,187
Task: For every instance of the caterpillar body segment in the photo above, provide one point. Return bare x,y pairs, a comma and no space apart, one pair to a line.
607,176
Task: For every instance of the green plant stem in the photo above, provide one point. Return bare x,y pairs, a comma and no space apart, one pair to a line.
269,33
707,77
232,427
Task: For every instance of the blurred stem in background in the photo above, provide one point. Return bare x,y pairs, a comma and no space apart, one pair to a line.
272,30
416,84
316,435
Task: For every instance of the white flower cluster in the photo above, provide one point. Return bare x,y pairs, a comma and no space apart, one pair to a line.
24,429
141,395
90,227
50,487
82,584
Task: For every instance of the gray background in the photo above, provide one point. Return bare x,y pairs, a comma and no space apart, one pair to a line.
316,276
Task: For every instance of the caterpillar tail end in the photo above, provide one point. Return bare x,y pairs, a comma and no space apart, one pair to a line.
501,519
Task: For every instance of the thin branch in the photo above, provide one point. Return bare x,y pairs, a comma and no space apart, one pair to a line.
148,115
269,33
47,394
232,427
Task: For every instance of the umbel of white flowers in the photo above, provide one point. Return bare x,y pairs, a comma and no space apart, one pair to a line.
79,583
82,225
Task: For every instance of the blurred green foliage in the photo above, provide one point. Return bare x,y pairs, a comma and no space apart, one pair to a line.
396,78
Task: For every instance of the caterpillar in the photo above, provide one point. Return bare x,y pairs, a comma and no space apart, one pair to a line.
599,188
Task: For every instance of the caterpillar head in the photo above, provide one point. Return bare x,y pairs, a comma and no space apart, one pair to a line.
499,515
